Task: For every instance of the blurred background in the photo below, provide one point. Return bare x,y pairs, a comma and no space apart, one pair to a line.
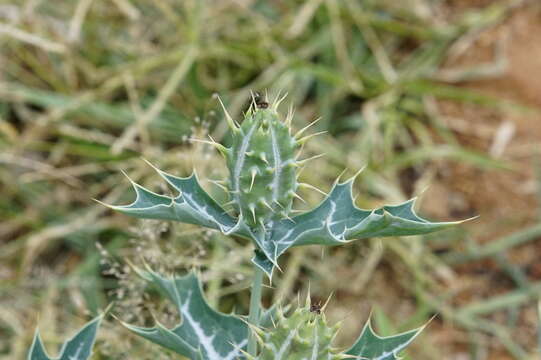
437,98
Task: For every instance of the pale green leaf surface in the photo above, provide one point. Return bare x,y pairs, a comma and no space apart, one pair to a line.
337,220
203,333
37,350
370,346
193,206
262,261
79,347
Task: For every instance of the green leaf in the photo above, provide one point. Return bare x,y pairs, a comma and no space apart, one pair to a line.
335,221
370,346
193,206
262,261
37,350
78,347
203,333
338,221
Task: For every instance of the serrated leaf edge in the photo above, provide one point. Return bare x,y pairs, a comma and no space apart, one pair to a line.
37,341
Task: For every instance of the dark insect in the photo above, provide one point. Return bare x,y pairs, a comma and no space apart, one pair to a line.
261,104
315,308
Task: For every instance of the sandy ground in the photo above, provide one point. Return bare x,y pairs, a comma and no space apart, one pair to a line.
506,200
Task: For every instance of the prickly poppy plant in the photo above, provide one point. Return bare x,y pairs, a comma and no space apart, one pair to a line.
264,161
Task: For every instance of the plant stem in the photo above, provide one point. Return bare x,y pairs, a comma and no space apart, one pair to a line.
255,309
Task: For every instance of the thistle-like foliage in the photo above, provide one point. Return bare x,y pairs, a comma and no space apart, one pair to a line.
79,347
305,334
371,346
263,164
203,333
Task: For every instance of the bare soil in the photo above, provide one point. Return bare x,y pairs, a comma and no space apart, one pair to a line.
506,200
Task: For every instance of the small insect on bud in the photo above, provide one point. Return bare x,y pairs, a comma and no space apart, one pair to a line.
260,102
316,308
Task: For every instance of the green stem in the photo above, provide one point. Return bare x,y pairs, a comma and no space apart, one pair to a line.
255,308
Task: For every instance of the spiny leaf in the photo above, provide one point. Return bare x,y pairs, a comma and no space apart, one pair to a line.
193,206
203,333
37,350
79,347
336,220
263,184
371,346
262,261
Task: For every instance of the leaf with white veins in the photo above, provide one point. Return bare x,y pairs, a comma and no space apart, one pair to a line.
371,346
79,347
336,221
193,206
203,333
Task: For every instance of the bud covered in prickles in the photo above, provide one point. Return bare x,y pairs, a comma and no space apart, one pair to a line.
304,334
262,165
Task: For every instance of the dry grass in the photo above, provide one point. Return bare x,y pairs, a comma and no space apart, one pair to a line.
88,87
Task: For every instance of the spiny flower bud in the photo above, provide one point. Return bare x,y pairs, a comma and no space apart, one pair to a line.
304,334
261,178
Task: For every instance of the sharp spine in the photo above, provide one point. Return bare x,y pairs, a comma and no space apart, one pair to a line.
252,209
301,131
308,137
295,195
289,117
254,174
266,204
286,216
278,101
232,123
304,161
222,149
263,158
219,184
312,187
354,177
253,104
